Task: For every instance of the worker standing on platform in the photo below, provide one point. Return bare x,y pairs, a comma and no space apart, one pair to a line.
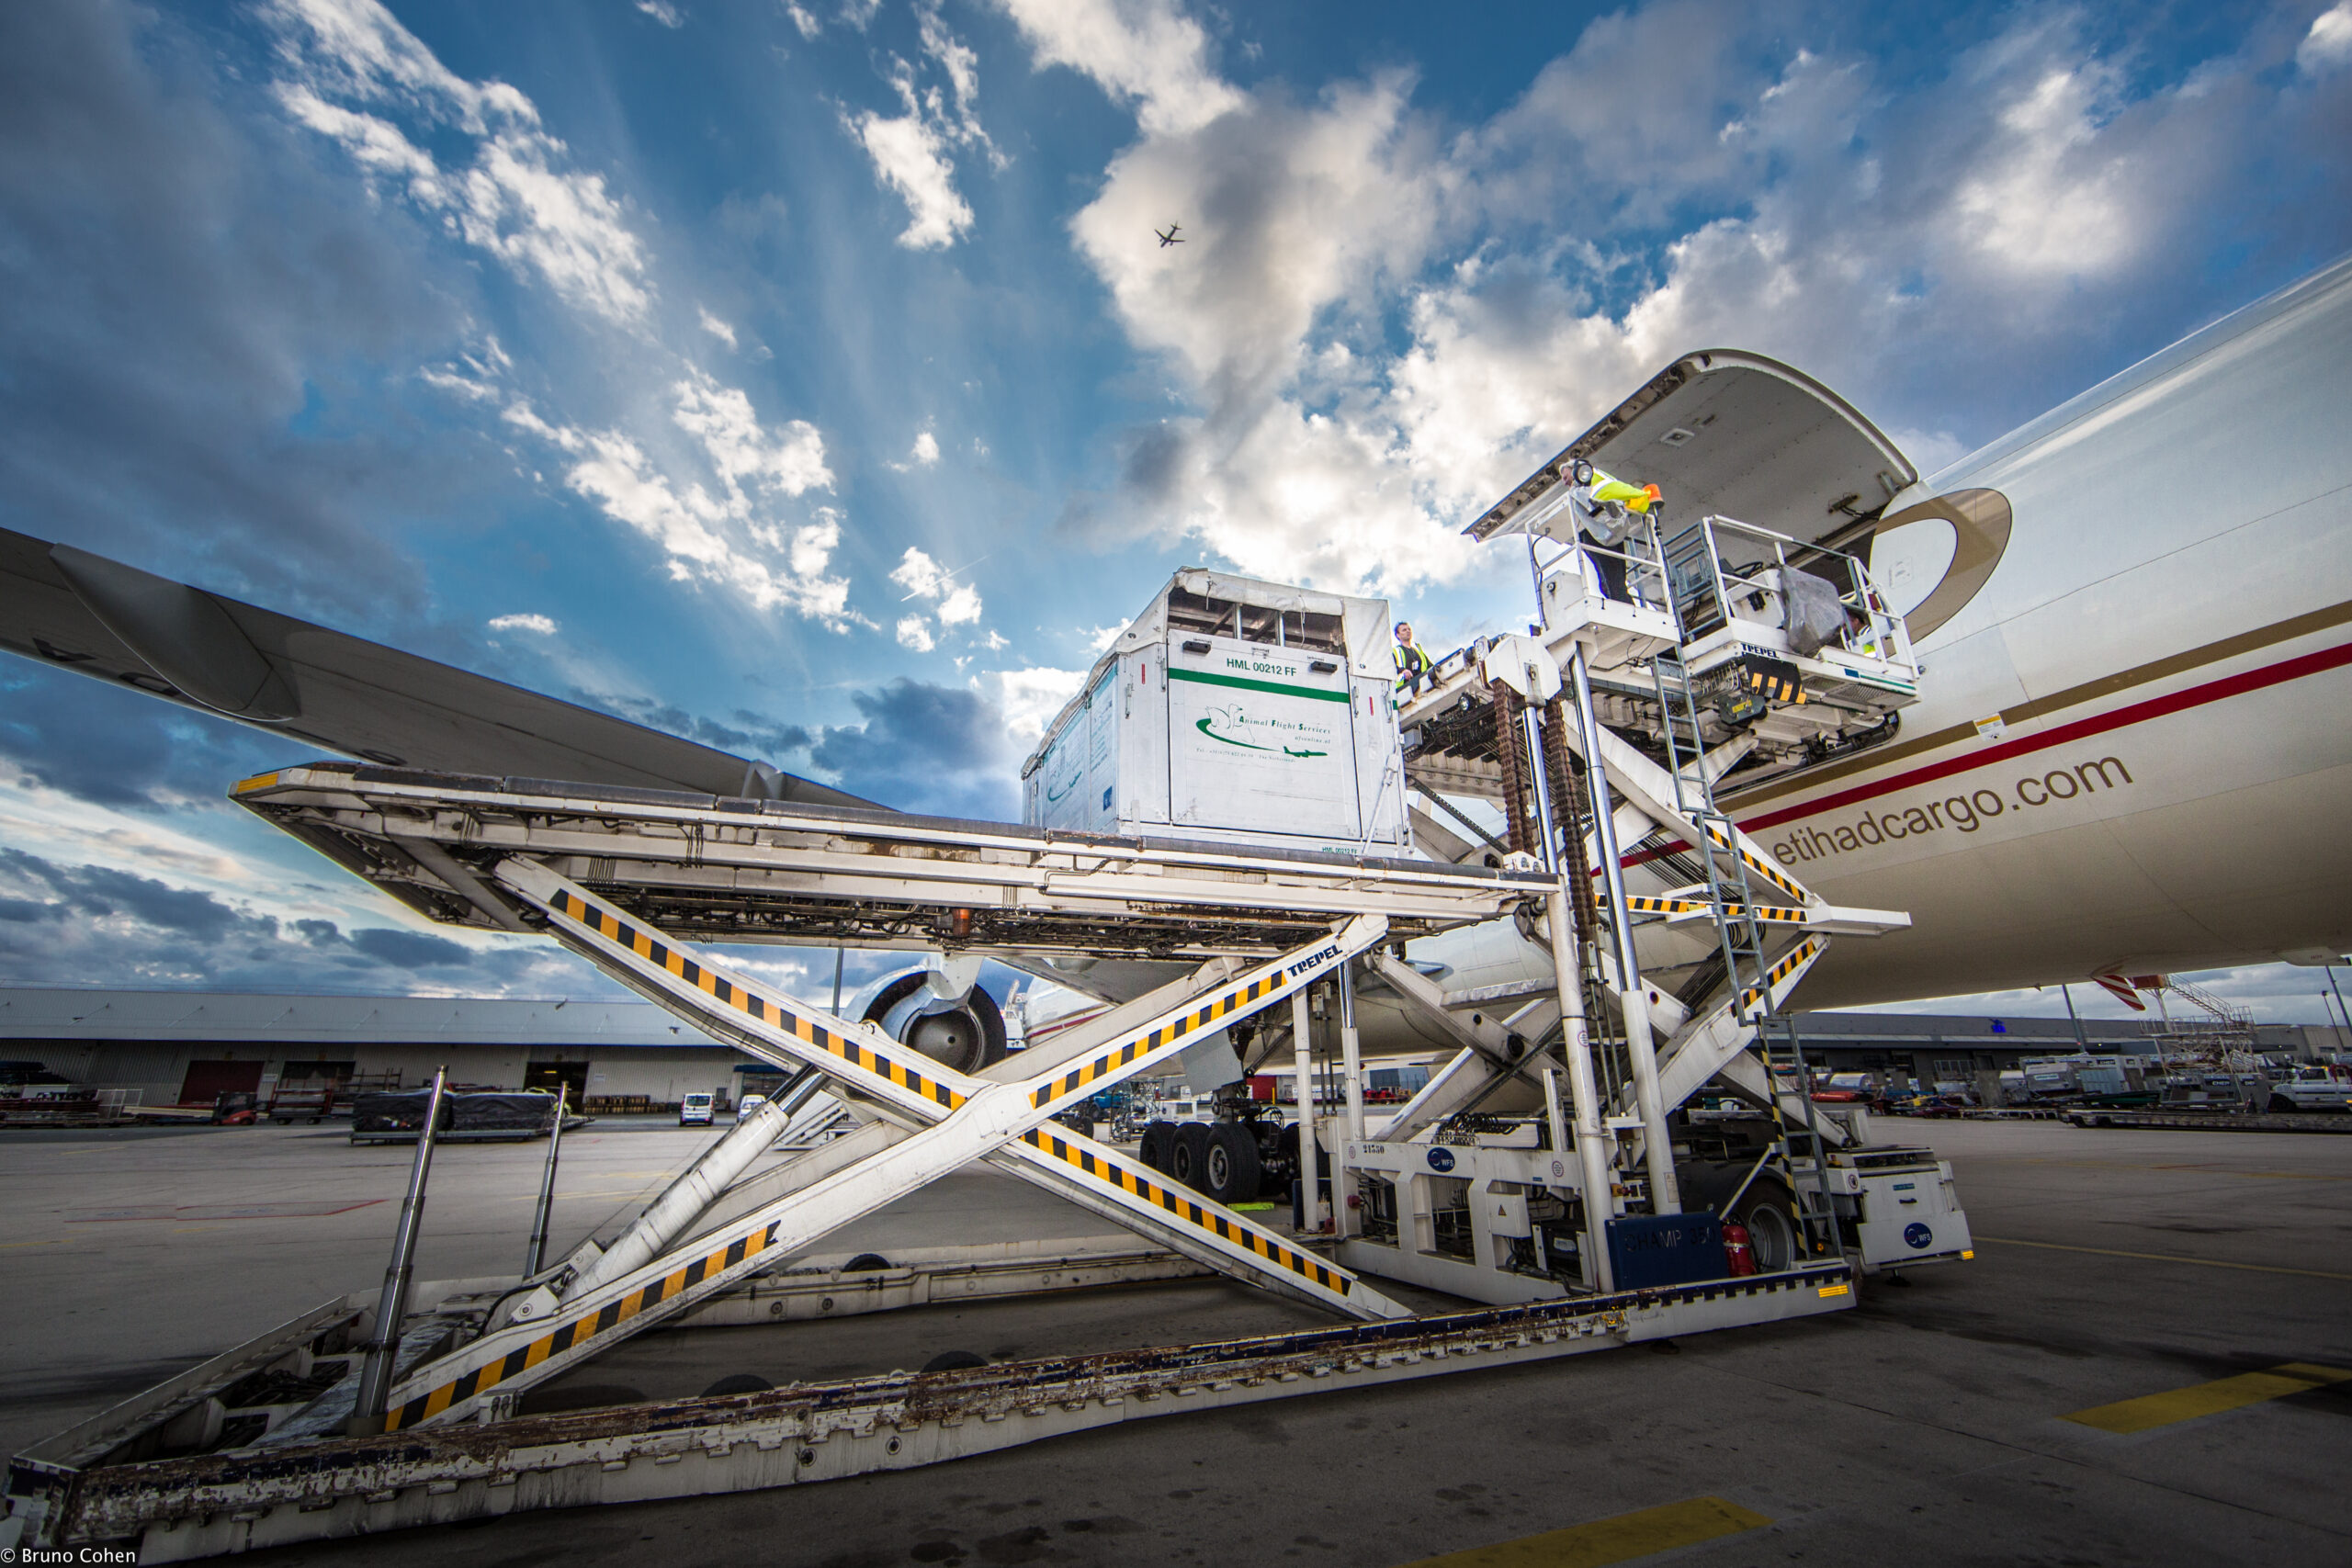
1607,512
1413,662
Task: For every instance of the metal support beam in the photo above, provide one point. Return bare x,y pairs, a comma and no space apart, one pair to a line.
685,1199
1665,1194
1310,1156
1591,1137
376,1372
538,1245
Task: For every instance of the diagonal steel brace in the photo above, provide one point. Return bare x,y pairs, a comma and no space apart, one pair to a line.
961,1119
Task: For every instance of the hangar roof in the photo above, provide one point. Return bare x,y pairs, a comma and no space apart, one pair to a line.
260,1018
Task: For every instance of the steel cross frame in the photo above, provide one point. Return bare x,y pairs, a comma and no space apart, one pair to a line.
960,1119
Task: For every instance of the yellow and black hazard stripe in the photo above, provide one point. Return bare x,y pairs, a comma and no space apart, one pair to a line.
578,1331
1188,1208
1767,912
1758,864
1775,686
1801,953
1141,1045
760,1010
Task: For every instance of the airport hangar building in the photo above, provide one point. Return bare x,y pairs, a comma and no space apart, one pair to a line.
187,1047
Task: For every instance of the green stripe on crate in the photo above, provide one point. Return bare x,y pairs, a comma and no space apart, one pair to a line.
1205,679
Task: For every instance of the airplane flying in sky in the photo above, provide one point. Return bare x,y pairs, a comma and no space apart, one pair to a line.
1168,236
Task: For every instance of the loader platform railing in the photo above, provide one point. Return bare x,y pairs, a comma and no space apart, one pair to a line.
721,869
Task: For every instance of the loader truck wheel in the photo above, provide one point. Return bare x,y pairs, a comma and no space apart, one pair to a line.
1230,1168
1769,1211
1157,1137
1190,1154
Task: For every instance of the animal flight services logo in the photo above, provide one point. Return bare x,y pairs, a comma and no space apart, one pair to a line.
1233,726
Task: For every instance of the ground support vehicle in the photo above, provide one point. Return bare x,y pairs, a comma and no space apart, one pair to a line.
1594,1219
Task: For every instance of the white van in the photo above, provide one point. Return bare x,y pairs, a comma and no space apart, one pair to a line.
694,1111
749,1103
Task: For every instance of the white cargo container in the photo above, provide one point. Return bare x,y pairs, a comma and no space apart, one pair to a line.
1233,710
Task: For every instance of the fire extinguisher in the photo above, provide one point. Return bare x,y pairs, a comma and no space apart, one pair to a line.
1736,1252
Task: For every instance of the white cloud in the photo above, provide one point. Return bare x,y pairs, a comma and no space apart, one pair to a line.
912,150
718,328
926,450
910,158
1030,698
516,200
2329,42
957,603
808,25
2046,200
791,461
1100,637
961,607
919,575
664,12
537,624
1380,324
859,14
730,538
915,632
1142,52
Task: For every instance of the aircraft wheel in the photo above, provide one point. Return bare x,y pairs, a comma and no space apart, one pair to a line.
1229,1170
1189,1154
1158,1138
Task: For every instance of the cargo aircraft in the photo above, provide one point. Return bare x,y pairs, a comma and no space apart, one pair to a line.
2131,750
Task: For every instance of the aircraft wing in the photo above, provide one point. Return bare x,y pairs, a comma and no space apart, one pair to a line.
73,610
1736,435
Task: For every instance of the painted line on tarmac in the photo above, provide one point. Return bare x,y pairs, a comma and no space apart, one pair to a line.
2152,1411
2162,1258
1617,1540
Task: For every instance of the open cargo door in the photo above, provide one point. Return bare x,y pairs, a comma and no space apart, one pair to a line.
1731,434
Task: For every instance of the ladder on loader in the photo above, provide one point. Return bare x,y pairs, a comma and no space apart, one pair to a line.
1525,721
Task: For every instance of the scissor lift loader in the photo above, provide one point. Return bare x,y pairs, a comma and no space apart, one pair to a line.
1230,934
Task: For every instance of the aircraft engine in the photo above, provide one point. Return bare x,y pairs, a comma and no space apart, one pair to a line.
940,1009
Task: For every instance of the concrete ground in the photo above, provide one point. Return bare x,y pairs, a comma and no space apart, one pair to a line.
1925,1426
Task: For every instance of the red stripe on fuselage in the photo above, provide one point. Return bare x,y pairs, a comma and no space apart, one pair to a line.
2130,713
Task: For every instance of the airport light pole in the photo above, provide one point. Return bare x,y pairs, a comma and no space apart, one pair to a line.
537,1250
377,1371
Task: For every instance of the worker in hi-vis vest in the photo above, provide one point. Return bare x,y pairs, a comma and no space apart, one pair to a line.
1607,509
1413,661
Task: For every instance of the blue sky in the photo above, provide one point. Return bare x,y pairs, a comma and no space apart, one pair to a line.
806,376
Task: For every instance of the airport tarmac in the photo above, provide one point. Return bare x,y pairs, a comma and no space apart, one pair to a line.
2099,1386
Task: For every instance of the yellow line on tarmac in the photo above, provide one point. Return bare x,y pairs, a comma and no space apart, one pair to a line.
2163,1258
2151,1411
1617,1540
